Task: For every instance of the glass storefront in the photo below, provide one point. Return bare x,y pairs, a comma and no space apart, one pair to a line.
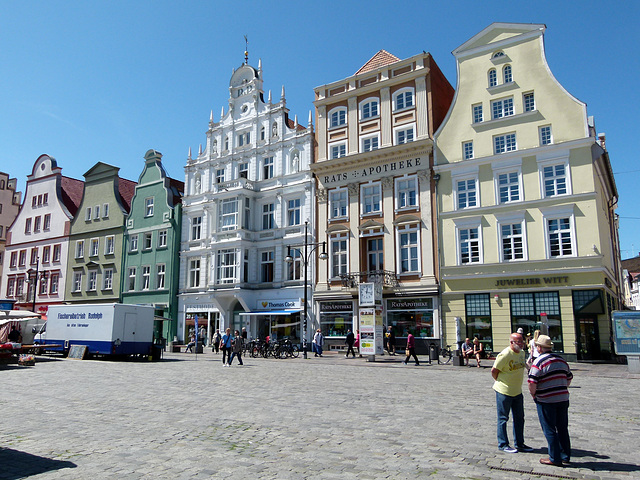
538,311
478,318
411,315
336,318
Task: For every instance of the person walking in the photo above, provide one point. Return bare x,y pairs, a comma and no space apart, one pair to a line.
411,349
350,340
202,336
318,343
533,351
391,341
238,344
549,380
225,345
356,344
508,373
215,342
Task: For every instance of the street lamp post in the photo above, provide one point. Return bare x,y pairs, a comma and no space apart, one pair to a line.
306,256
33,279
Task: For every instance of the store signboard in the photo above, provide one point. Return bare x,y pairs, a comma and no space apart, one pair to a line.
371,331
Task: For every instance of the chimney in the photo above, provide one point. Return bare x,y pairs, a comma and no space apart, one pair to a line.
602,140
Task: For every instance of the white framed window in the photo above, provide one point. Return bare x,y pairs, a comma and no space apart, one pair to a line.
42,287
196,228
77,281
268,216
27,226
267,168
403,99
220,175
147,241
263,132
79,248
555,180
47,222
338,203
34,255
502,108
337,117
545,135
11,283
512,241
133,243
105,210
53,283
162,238
408,249
338,255
96,212
194,273
107,279
294,268
466,193
36,224
109,245
371,195
56,252
247,214
148,206
507,74
467,150
338,150
469,245
13,259
294,211
369,108
229,214
266,266
375,254
146,277
406,192
226,266
94,247
22,261
529,102
243,170
160,273
508,186
92,280
404,135
559,224
131,279
369,143
493,78
87,214
46,254
244,139
504,143
477,113
19,286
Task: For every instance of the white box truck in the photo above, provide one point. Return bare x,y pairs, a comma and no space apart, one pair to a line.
106,329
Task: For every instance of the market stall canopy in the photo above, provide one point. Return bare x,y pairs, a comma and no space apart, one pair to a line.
7,316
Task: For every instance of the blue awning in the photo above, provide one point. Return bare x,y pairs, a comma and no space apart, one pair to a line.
272,312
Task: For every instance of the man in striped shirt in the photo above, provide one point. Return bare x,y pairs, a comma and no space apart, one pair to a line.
549,379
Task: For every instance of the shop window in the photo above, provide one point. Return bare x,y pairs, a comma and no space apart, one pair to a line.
336,318
535,311
478,318
411,315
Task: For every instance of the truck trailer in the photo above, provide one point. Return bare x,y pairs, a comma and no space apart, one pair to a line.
106,329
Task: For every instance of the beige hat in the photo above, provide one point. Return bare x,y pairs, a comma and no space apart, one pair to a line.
544,341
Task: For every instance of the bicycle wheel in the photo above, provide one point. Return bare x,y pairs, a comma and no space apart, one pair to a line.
445,354
295,351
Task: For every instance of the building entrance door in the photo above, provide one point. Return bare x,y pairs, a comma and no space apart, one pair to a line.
588,347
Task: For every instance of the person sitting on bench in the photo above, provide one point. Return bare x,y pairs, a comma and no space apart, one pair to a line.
478,350
467,350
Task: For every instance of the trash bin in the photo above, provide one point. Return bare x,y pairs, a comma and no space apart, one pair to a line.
156,353
433,352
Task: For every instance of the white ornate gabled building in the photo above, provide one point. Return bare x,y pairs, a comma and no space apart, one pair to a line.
248,194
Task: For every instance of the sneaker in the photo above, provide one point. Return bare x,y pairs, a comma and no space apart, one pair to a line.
404,363
346,356
509,449
525,448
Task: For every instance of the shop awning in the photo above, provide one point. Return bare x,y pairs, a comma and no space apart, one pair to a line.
271,312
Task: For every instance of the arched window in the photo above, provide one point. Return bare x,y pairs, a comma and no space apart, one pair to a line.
369,108
403,99
338,117
498,54
262,133
493,78
507,74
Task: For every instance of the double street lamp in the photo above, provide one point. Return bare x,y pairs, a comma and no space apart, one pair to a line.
33,277
305,255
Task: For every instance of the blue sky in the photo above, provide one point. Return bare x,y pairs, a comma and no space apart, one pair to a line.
108,80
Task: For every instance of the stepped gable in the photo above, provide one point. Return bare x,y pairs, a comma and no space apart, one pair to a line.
380,59
71,192
127,189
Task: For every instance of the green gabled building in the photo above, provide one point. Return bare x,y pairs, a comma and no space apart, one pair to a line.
94,269
152,244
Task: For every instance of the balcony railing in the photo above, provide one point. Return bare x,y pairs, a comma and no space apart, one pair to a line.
384,277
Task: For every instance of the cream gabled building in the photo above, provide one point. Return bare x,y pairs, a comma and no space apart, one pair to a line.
248,194
526,200
374,134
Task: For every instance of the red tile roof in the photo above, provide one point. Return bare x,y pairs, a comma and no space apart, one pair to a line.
291,124
71,191
127,189
380,59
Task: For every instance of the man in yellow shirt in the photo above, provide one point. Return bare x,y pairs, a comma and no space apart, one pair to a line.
508,373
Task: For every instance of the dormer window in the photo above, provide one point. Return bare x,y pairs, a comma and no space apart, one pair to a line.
498,54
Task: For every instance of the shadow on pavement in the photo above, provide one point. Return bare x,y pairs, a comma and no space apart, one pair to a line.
600,466
17,464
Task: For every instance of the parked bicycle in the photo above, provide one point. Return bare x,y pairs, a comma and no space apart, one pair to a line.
445,354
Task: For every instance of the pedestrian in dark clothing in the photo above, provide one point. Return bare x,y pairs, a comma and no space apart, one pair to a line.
350,340
411,349
238,343
14,335
391,341
225,345
215,342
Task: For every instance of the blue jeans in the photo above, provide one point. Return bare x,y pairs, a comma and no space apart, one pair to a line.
317,349
554,420
507,404
235,354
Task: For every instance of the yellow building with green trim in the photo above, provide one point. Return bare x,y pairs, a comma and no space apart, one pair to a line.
527,234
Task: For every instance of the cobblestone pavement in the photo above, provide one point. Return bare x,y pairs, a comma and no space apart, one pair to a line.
321,418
